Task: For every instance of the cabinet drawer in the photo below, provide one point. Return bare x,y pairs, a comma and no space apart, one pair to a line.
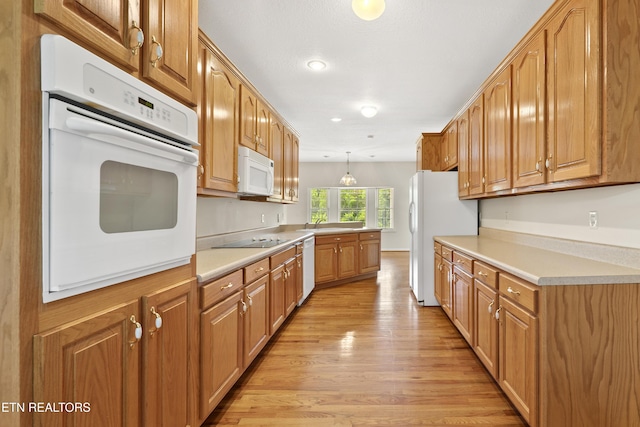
299,248
437,248
220,288
463,261
282,257
447,253
371,235
519,291
255,270
336,238
485,273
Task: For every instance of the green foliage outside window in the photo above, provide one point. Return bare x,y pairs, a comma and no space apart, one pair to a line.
385,208
319,205
353,205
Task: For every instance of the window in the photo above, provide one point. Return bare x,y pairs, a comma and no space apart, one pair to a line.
373,206
384,207
319,205
353,205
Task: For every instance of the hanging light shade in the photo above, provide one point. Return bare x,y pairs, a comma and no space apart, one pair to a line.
348,179
368,9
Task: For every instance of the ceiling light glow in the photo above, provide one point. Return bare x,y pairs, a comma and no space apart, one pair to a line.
368,10
316,65
369,111
336,119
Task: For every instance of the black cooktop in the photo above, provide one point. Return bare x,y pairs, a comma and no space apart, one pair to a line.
253,243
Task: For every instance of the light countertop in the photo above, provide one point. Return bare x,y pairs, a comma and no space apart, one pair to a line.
541,266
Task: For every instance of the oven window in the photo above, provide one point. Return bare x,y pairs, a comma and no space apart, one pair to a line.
133,198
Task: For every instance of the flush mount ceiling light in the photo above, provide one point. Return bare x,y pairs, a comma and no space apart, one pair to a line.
368,9
348,179
316,65
336,119
369,111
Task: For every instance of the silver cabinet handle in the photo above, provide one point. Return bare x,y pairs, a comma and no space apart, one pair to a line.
512,291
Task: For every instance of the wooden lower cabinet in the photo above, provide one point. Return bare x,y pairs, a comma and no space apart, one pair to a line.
256,319
293,284
463,303
347,259
486,326
518,362
369,256
437,279
345,256
125,363
277,311
447,288
221,347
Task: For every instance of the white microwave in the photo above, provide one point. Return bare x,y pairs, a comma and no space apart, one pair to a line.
255,173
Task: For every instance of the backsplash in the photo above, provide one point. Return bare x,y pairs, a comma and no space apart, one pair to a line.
566,215
221,215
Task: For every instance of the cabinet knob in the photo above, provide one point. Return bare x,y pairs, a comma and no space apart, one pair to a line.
137,333
157,51
135,41
157,321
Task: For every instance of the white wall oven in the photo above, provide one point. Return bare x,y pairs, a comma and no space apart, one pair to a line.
118,174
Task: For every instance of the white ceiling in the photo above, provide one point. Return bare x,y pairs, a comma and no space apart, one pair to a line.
418,63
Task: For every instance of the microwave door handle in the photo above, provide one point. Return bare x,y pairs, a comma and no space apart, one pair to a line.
271,179
107,132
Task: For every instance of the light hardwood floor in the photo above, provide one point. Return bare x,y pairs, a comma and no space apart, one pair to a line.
365,354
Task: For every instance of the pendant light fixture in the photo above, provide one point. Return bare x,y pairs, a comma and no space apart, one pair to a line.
348,179
368,9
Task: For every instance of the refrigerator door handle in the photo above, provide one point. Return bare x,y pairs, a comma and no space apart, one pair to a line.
412,228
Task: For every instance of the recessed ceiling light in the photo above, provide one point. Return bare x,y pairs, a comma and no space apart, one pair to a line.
336,119
316,65
369,111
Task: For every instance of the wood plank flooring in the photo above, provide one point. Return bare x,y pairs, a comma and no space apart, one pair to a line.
365,354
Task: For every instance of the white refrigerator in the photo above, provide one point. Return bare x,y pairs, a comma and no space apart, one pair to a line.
435,210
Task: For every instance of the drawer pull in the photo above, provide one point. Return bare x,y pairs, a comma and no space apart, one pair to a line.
230,285
490,308
483,274
511,291
258,270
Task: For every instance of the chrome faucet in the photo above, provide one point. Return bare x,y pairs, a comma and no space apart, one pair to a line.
317,221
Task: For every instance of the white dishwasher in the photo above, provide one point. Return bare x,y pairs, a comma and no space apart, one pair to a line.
308,268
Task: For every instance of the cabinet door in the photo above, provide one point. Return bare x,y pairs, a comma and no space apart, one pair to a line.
451,138
291,152
518,364
262,129
529,124
463,155
437,277
221,338
248,117
219,124
299,277
326,262
369,256
169,52
290,291
463,304
447,288
168,366
347,259
109,26
276,299
94,360
276,150
486,327
256,319
476,147
497,136
573,92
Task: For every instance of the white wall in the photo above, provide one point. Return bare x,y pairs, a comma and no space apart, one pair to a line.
565,214
222,215
374,174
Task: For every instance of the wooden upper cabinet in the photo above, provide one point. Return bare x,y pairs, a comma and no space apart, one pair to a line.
529,125
450,146
276,153
463,154
159,38
573,92
169,55
291,165
218,110
109,26
254,122
476,147
497,133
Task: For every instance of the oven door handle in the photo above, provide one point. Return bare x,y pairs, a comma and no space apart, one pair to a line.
107,133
